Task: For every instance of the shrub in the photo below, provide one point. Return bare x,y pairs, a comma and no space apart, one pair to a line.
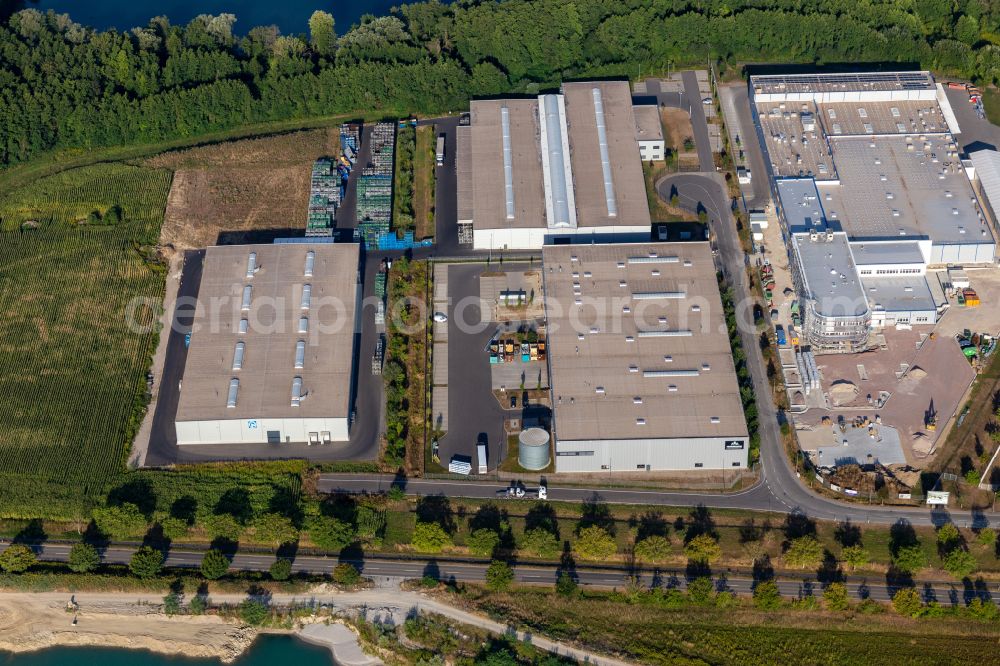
173,528
197,605
430,537
214,564
120,522
83,558
483,542
594,543
948,537
499,576
330,533
565,585
172,604
725,599
855,556
146,562
766,595
804,552
910,559
281,569
987,537
703,549
983,610
222,526
253,612
700,589
17,558
275,529
346,574
959,563
540,542
907,602
397,494
835,597
654,548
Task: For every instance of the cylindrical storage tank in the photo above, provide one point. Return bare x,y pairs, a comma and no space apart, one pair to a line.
533,449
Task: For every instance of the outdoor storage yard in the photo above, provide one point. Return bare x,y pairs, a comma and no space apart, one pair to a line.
936,378
224,193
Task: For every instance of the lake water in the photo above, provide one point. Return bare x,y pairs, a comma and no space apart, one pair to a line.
266,651
291,16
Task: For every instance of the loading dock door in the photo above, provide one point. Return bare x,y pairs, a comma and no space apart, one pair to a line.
274,437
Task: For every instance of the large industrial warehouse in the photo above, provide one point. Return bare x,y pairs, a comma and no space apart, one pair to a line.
271,355
641,368
559,168
870,156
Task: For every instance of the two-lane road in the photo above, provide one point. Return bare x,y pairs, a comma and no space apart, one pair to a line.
738,581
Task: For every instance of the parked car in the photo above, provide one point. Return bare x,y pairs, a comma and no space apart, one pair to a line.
707,101
440,317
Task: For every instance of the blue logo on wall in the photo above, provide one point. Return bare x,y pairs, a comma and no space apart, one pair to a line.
252,424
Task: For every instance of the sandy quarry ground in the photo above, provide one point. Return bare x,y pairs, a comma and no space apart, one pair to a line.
31,621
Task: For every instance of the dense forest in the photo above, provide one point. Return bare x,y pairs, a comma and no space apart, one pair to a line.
63,85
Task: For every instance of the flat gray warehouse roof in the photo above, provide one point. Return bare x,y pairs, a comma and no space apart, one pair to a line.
900,294
638,346
902,187
887,252
627,182
647,123
489,180
286,288
830,275
800,202
501,184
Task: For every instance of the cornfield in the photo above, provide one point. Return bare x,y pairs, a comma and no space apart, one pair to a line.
72,369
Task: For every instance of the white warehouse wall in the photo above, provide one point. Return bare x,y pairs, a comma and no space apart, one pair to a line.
534,238
660,454
248,431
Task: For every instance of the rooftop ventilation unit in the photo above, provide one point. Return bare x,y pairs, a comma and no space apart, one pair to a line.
300,354
251,264
303,324
657,295
238,354
244,326
602,139
669,373
296,391
247,294
310,262
234,389
306,296
665,334
654,260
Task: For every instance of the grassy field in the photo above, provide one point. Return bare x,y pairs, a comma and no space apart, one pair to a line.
79,292
406,371
688,634
402,197
239,191
424,163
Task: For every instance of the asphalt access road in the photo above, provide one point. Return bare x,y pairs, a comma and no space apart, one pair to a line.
472,409
736,104
698,122
446,191
541,573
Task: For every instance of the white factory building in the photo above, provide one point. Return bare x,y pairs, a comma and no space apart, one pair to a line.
271,353
648,384
559,168
872,156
